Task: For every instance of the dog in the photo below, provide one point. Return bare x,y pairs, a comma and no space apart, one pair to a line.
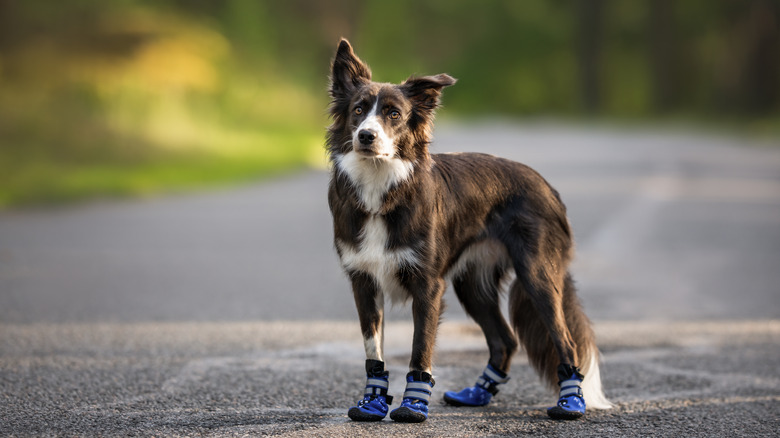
405,221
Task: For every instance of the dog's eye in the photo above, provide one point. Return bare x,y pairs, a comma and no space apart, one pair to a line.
395,115
358,110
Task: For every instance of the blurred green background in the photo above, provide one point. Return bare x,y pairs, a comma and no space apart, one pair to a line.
133,97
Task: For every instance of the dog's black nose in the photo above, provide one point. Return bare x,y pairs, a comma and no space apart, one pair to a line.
366,137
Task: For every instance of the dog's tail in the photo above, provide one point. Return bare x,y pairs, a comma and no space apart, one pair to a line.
540,349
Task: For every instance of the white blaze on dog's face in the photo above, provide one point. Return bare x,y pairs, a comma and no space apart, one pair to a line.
377,121
370,137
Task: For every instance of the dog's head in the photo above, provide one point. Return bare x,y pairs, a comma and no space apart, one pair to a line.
380,121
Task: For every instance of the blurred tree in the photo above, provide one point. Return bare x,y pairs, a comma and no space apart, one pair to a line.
662,54
762,57
591,16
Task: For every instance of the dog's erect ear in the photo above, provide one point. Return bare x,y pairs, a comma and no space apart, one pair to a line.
348,72
425,91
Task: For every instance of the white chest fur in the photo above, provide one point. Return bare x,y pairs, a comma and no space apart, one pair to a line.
373,177
372,257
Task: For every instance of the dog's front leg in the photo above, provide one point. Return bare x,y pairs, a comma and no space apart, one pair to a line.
370,304
369,301
426,310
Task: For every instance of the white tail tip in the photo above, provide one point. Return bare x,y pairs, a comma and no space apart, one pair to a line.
591,386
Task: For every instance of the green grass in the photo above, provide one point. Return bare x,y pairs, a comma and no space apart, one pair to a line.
36,180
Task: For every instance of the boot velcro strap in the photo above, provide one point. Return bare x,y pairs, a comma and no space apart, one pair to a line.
373,390
418,391
571,387
571,390
568,372
378,383
490,379
488,385
490,373
375,367
376,387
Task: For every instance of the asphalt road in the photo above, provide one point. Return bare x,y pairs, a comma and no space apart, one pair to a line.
225,313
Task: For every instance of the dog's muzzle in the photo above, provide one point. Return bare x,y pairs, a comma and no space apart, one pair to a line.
366,143
366,137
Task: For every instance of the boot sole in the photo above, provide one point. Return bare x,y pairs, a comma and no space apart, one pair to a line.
356,414
558,413
456,402
406,415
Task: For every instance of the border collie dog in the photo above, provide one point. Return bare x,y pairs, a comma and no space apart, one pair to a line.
406,220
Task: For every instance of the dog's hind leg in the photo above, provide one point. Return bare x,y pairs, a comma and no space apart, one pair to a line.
552,325
538,314
478,292
370,305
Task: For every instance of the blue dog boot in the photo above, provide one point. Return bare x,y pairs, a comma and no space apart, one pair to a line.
373,407
482,392
414,407
571,404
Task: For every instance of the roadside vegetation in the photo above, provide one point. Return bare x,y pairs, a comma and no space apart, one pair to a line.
138,97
